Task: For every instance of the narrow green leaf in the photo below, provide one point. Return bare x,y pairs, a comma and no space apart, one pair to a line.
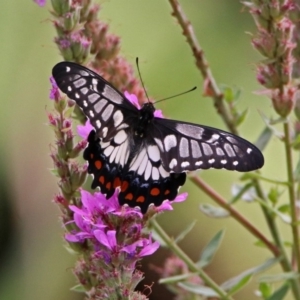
78,288
279,277
229,284
265,289
264,138
183,233
210,249
240,284
198,289
280,293
174,279
213,211
241,117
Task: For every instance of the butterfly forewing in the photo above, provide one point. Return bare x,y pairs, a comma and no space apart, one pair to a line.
108,110
143,156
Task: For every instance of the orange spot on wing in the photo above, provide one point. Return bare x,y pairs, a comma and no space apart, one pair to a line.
117,182
101,179
155,191
167,192
129,196
98,164
140,199
108,185
124,186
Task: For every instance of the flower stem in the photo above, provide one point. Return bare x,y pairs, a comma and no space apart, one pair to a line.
292,195
235,214
183,256
202,65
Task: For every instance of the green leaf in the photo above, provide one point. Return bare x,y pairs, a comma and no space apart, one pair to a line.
264,138
274,195
243,277
265,289
240,284
175,279
214,212
78,288
246,192
198,289
241,117
280,293
279,277
210,249
183,233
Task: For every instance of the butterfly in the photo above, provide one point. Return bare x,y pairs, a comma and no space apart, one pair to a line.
144,156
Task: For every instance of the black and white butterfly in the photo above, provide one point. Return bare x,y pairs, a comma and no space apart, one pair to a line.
145,156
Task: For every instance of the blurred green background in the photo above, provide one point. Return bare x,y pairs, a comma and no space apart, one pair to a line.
33,261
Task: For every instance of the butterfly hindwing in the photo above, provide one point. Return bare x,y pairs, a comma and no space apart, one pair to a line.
187,147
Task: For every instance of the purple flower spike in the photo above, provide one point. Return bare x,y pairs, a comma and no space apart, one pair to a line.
54,92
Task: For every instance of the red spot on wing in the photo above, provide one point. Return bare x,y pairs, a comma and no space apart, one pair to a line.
101,179
124,186
117,182
140,199
155,191
108,185
129,196
98,164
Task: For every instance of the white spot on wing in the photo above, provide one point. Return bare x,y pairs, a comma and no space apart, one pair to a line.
79,83
170,142
148,170
229,150
184,147
207,149
143,165
69,88
155,173
108,150
91,113
120,137
98,124
173,163
196,151
85,104
185,164
163,172
153,153
220,152
190,130
211,161
94,97
112,95
118,118
249,150
223,161
199,163
135,164
84,90
68,69
107,112
113,155
104,132
235,163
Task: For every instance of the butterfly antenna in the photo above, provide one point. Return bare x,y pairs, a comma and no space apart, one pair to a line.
138,68
190,90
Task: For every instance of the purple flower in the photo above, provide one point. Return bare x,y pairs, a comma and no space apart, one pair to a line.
54,92
40,2
84,130
133,99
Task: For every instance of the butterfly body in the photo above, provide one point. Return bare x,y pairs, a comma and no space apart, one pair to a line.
143,155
